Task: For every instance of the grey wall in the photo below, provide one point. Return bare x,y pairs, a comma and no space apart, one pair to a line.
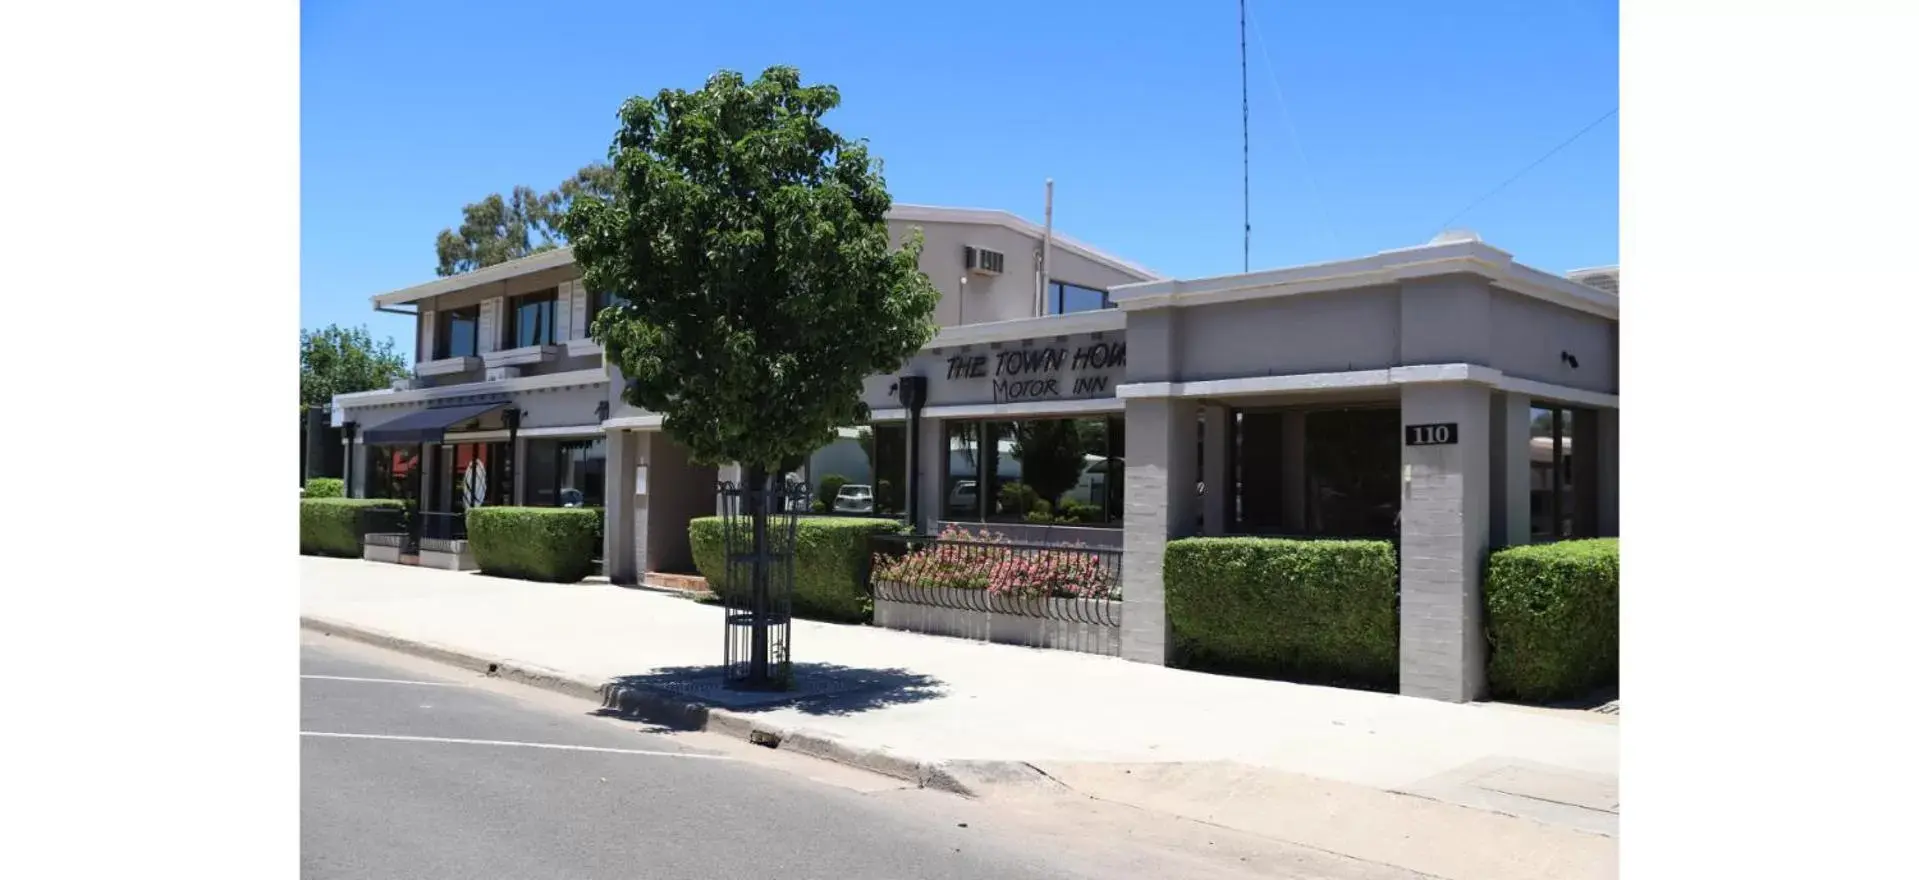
1315,333
1431,321
1528,335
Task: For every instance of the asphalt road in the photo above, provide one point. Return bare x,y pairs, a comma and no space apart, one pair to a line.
419,771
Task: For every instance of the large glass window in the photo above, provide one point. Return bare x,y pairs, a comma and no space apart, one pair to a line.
1315,473
394,472
530,319
1352,470
458,333
885,448
598,302
1064,298
473,475
1564,503
1047,471
566,473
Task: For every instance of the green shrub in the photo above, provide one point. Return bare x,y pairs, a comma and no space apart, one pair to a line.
533,543
830,486
1018,499
1552,619
334,527
324,487
1310,611
829,569
1078,511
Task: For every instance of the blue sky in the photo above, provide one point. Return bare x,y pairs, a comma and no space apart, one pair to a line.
1395,115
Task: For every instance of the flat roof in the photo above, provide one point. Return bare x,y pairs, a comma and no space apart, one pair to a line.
563,256
1446,255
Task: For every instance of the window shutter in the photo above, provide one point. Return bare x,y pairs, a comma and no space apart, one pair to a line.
563,312
424,346
578,299
490,325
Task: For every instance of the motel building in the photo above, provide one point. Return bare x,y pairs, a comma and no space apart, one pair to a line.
1435,394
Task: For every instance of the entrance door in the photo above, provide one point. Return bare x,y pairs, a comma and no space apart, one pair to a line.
470,475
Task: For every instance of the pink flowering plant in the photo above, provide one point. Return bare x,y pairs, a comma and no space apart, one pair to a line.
983,560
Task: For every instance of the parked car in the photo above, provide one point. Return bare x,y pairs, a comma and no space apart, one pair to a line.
964,497
854,499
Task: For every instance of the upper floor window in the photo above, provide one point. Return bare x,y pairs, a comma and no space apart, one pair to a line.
529,319
1065,298
598,301
458,333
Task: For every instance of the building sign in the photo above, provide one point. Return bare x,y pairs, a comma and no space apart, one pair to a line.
1089,369
1445,434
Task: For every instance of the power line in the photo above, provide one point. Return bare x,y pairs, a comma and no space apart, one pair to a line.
1522,172
1245,152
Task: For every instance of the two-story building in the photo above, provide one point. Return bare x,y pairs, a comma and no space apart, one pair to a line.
1431,394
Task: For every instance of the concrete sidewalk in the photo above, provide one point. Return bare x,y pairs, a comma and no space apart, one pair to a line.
1076,717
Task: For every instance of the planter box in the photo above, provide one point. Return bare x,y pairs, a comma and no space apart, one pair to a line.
382,547
447,555
1089,626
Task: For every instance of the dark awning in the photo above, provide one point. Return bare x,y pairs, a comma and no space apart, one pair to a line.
425,426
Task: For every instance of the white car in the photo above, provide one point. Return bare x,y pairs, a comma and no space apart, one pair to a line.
964,498
854,499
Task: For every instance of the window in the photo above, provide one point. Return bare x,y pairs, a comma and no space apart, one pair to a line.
599,301
885,447
1045,471
529,319
1063,298
394,472
458,333
1564,503
1315,473
472,475
566,473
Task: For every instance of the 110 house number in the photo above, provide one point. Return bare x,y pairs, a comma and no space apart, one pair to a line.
1446,434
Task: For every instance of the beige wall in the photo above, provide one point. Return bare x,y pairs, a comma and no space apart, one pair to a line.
1008,296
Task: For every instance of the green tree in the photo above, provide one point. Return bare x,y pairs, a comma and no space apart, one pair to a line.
342,360
520,224
753,242
493,230
762,287
1051,454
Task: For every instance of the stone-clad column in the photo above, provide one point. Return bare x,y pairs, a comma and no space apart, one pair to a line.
618,549
1162,472
1444,530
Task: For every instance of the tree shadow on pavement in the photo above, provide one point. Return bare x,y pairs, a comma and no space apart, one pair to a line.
818,689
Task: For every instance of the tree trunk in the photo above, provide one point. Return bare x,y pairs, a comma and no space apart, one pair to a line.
759,494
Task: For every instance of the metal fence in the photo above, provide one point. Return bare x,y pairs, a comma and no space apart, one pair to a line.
1054,582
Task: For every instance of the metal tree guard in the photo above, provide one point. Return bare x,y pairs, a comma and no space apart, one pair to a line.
759,578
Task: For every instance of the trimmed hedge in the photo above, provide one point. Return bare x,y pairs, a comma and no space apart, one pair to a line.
1552,618
555,544
332,526
829,569
1309,611
324,487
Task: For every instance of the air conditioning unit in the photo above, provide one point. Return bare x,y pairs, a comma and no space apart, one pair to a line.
981,261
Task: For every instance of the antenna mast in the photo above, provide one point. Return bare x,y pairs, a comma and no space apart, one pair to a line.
1245,152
